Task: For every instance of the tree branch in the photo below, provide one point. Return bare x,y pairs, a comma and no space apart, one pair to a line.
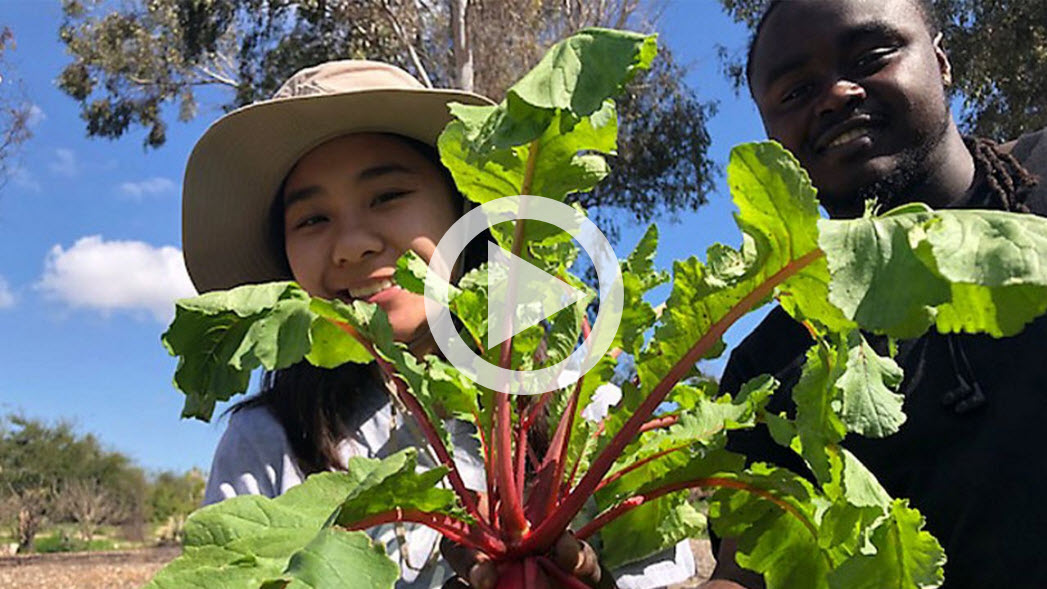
402,35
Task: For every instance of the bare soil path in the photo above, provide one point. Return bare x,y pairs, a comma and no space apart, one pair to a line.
84,570
133,568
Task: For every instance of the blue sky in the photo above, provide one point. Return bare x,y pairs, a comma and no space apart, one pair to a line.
90,252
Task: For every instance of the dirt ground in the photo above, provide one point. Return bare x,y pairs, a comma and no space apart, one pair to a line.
128,569
84,570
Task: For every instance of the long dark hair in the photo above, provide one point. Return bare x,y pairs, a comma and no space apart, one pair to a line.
319,408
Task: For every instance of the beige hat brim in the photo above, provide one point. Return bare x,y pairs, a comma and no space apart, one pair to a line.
235,170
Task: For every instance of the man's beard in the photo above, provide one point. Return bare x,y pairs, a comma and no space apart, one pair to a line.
901,184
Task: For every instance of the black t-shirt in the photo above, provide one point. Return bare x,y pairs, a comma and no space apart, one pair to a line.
972,455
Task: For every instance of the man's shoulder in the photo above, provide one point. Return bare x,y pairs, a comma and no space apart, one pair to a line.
777,331
1030,149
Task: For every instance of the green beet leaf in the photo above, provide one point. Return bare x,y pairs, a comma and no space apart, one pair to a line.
778,215
650,529
971,271
638,277
336,558
221,337
248,541
774,514
906,555
870,404
576,76
393,483
564,163
818,423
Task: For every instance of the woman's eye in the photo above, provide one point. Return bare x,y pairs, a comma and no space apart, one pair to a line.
391,195
310,220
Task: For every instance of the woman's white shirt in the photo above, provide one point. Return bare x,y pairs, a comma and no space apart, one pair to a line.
254,458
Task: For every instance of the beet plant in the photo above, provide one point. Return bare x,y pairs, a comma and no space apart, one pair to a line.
623,480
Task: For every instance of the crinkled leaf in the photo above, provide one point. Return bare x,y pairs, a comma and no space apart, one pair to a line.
778,542
638,277
650,529
410,273
906,555
372,323
247,540
446,387
871,407
565,162
995,262
394,483
973,271
817,402
221,337
337,558
484,181
575,77
661,523
332,346
868,260
705,424
778,214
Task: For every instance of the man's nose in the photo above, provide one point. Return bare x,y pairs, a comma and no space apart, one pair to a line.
356,241
840,94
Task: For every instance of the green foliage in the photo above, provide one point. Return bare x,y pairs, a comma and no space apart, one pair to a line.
174,495
42,467
993,286
1001,88
637,464
223,336
249,541
393,484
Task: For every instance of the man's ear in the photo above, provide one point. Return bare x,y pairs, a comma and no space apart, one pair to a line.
944,67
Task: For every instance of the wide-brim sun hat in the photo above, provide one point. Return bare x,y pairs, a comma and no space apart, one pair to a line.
236,168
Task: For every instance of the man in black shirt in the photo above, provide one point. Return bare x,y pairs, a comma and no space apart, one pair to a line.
856,90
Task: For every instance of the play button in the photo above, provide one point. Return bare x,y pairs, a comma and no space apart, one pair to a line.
530,293
521,295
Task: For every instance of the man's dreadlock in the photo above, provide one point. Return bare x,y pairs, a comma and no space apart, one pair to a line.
1009,182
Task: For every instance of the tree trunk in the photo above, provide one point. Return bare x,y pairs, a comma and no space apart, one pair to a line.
28,523
463,50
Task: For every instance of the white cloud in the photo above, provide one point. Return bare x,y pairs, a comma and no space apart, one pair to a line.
7,298
112,276
36,116
156,186
65,163
24,179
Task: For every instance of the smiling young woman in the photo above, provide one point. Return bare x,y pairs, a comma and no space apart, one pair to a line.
327,184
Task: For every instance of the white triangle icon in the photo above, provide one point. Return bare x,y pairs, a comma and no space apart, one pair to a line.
535,295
